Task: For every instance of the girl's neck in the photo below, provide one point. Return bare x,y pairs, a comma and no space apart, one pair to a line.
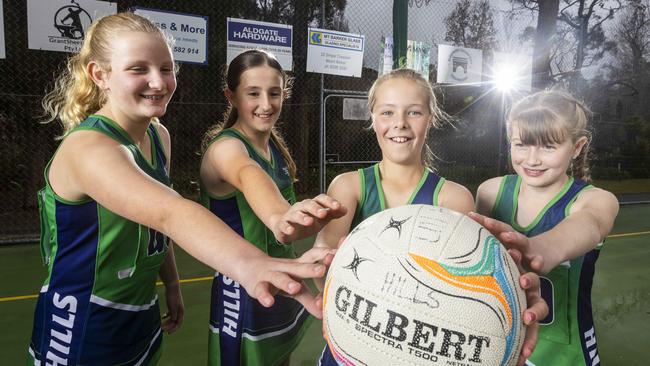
259,140
406,175
136,130
544,193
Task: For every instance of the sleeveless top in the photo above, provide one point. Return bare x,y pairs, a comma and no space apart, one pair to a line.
242,331
373,201
98,304
566,335
372,192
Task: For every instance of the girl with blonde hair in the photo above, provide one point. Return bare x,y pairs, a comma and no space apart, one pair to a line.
107,210
403,109
550,213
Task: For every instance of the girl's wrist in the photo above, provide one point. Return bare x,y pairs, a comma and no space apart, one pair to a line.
174,284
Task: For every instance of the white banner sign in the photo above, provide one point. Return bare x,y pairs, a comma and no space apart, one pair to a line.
418,55
459,65
386,57
60,25
190,33
2,33
243,35
516,68
335,53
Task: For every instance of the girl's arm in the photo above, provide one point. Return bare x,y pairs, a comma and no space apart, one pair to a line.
227,160
486,195
96,166
455,197
590,219
346,189
168,273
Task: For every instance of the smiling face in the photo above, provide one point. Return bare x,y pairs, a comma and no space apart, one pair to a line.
141,80
401,119
258,99
542,165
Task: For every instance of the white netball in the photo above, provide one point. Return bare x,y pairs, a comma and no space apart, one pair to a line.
423,285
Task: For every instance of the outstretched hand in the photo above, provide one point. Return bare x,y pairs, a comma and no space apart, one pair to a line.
531,259
306,218
268,276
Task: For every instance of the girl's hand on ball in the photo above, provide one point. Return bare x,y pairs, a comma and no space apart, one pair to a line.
511,239
537,307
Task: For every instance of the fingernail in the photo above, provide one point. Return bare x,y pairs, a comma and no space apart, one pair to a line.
530,317
292,286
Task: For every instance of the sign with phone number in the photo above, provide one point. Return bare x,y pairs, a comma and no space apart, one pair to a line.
190,33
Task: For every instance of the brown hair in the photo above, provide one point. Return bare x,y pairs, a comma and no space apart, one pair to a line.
75,95
437,115
245,61
552,116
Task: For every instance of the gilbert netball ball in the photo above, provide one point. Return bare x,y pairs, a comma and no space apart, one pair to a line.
423,285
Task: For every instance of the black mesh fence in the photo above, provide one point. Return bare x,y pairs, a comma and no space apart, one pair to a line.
469,150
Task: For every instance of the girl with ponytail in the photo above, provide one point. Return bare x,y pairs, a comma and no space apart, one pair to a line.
247,180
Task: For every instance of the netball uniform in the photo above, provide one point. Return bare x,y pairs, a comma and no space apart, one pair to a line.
98,305
242,331
373,201
566,335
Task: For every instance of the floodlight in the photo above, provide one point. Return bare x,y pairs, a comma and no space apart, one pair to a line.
505,77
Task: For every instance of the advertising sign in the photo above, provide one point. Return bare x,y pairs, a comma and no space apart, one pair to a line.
335,53
250,35
190,33
459,65
60,25
418,55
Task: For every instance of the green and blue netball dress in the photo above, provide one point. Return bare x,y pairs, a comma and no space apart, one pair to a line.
373,201
566,335
243,332
98,305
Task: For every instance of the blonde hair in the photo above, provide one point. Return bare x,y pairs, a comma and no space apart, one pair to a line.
75,95
245,61
437,115
553,116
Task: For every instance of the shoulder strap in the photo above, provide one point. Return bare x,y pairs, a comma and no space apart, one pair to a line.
159,147
560,208
504,205
370,197
427,192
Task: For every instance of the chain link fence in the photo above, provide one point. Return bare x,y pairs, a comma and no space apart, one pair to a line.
469,150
